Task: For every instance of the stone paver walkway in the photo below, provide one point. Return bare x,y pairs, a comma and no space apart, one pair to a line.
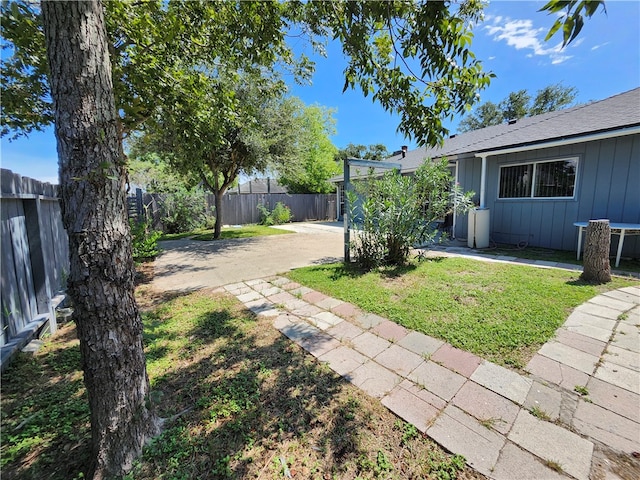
507,425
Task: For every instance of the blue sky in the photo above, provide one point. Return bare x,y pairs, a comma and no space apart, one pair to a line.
603,61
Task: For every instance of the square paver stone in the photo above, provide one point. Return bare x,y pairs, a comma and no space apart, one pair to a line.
556,372
345,331
313,297
486,406
249,297
299,331
390,330
616,399
420,343
437,379
580,342
515,463
328,303
267,292
570,356
343,360
410,408
370,344
347,310
368,320
464,363
620,376
282,297
399,360
459,432
307,310
325,320
551,442
319,344
374,379
503,381
545,400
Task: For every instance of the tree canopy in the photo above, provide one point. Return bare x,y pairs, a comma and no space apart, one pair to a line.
519,105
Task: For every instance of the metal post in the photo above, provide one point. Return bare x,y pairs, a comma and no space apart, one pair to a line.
345,215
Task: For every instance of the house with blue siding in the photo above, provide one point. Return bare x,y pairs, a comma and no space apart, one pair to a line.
536,176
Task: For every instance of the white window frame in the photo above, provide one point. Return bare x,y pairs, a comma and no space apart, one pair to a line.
535,164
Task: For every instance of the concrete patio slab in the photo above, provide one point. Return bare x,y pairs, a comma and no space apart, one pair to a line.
545,400
613,398
423,394
374,379
345,331
459,432
410,408
612,303
580,342
328,303
577,359
622,357
503,381
437,379
390,330
515,463
399,360
459,361
249,297
299,331
307,310
611,429
486,406
623,295
313,297
572,452
325,320
370,344
585,318
347,310
343,360
319,344
619,376
420,343
602,334
598,310
556,372
368,320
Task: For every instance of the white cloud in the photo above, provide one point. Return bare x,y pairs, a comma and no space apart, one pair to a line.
522,35
595,47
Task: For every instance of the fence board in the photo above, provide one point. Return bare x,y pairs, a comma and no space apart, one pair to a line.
34,255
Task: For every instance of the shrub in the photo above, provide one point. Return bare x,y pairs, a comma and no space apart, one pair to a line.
279,215
144,241
184,211
394,213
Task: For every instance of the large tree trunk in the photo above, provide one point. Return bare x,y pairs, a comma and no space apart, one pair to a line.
597,268
93,198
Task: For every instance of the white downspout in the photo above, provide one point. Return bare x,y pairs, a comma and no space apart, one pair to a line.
483,178
455,205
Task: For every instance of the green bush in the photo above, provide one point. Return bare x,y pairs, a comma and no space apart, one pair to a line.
184,211
394,213
144,241
279,215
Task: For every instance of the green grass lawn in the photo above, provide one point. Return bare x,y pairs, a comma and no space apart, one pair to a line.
501,312
245,231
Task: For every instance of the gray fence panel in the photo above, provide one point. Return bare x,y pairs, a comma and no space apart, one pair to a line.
34,255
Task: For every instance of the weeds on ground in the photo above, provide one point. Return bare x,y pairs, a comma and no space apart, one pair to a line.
241,399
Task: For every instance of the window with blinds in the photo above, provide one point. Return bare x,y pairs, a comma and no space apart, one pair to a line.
548,179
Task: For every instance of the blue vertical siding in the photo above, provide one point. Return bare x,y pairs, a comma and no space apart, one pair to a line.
607,186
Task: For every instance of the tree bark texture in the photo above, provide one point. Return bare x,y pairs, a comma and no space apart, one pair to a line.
93,200
597,268
217,228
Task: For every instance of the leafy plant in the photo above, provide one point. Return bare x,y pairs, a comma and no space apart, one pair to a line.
144,240
394,213
279,215
184,211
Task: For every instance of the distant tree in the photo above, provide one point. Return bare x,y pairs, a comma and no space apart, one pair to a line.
518,105
375,151
315,162
206,140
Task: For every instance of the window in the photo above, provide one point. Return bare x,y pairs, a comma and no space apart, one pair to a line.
553,179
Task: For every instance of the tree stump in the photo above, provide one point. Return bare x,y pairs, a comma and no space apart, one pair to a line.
597,268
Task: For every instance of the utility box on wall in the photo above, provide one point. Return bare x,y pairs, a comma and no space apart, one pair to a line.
478,232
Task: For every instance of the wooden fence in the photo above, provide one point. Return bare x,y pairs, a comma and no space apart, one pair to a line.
35,258
242,209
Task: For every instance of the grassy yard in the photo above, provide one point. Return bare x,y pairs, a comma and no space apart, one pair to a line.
501,312
247,403
244,231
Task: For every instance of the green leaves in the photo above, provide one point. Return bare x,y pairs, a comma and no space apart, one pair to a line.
572,20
